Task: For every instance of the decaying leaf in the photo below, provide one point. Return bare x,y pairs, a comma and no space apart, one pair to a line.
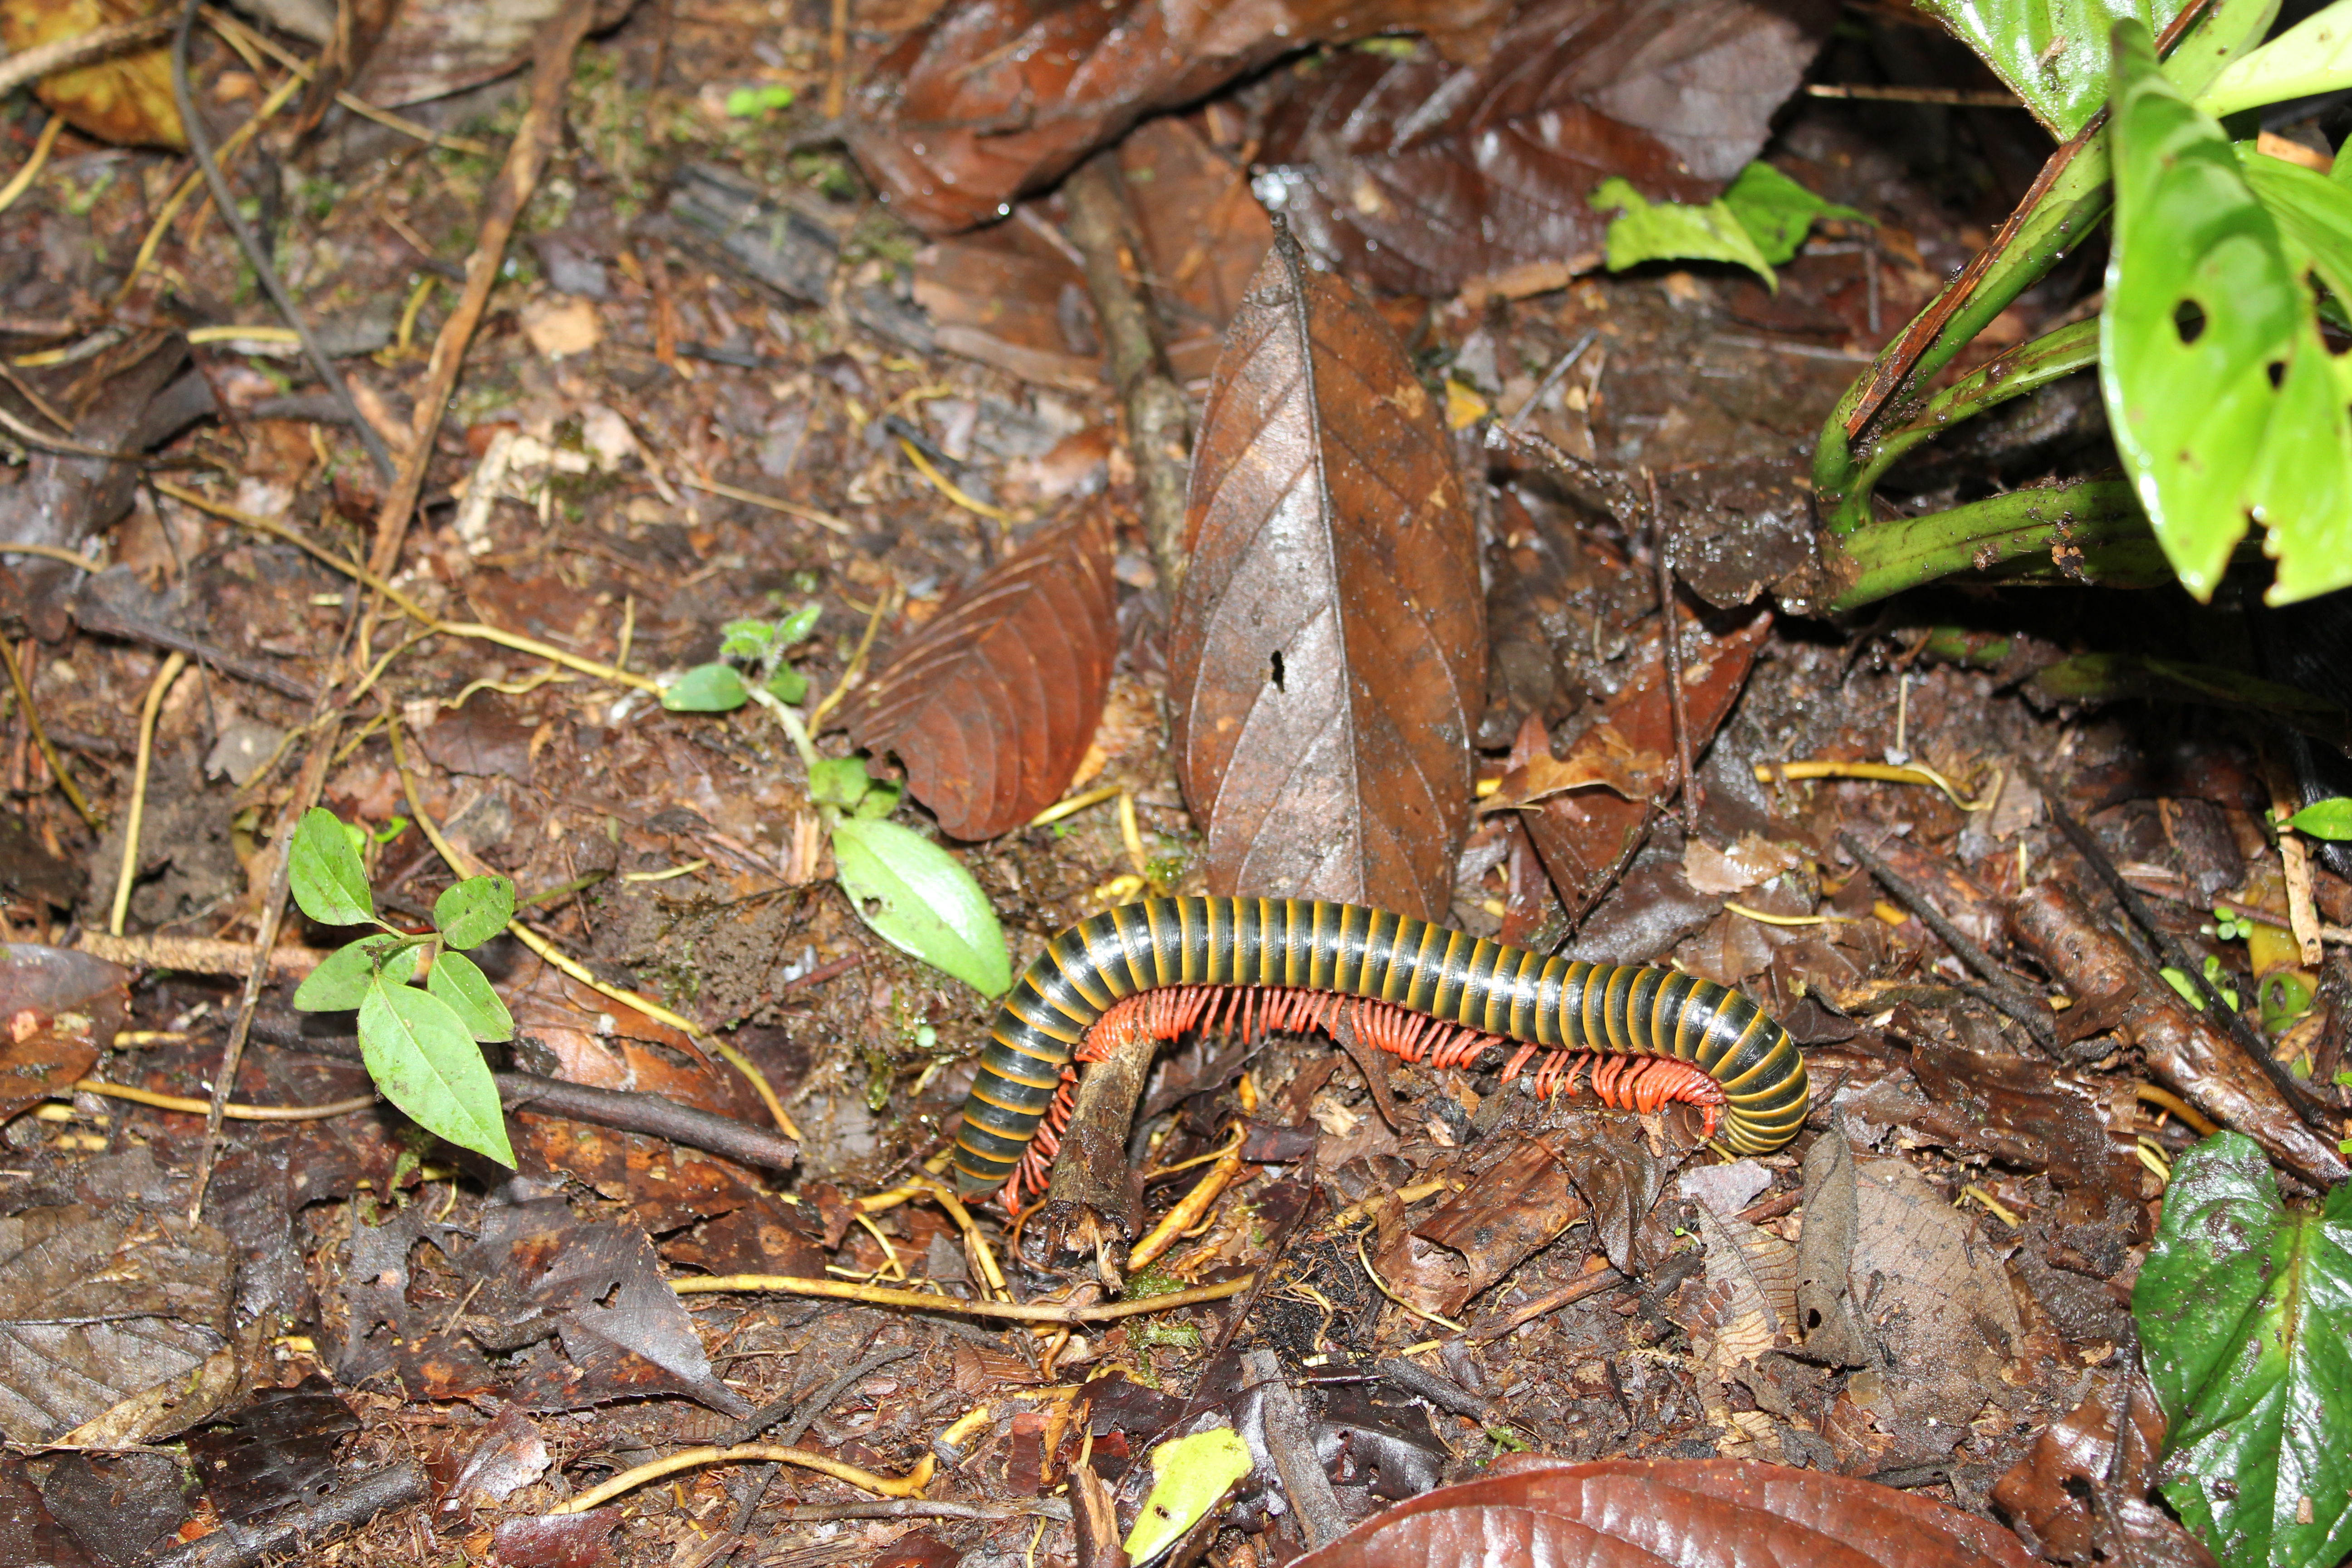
1014,295
1417,175
277,1449
433,47
1520,1204
991,102
126,100
2072,1495
1537,1513
1748,1303
1327,660
1736,869
1204,236
1601,759
991,705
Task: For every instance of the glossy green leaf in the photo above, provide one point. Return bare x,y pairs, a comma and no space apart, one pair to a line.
474,910
2314,213
918,897
1187,1475
2221,396
343,976
1777,212
2240,1308
459,981
881,797
1674,231
2330,818
2313,57
330,883
2052,53
422,1057
706,688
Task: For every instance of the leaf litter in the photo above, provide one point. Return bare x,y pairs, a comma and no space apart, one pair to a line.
1917,1322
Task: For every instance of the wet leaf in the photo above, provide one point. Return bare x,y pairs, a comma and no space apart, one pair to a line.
1517,1206
1777,212
1204,235
474,910
1187,1475
2313,57
1327,658
991,102
1748,1303
920,899
1677,231
2073,1492
343,979
1417,175
706,688
279,1448
2240,1308
435,48
127,100
2052,53
329,883
459,981
991,704
1693,1513
422,1057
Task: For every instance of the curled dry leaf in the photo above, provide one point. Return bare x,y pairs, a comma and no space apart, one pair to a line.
1693,1513
1328,657
991,706
1602,759
1418,175
992,101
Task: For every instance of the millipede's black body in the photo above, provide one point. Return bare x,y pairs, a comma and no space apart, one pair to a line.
1373,953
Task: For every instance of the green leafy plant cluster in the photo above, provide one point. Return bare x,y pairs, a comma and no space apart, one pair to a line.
914,894
421,1040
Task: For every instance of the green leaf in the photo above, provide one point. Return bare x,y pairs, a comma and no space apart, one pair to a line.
745,639
474,910
2225,403
706,688
1777,212
422,1057
788,685
751,102
2052,53
328,882
797,626
881,798
2240,1308
1187,1475
459,981
2313,57
342,978
2179,980
839,781
1672,231
919,898
2330,818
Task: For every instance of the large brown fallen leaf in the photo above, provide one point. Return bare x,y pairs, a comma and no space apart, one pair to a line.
991,705
1327,662
1537,1513
1204,236
2072,1496
994,98
1418,175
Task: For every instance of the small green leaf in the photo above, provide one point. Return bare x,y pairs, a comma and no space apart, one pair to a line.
797,626
391,830
1777,212
881,798
754,102
745,639
788,685
328,882
919,898
1672,231
2313,57
343,976
422,1057
2179,980
2240,1308
706,688
1187,1475
2330,818
474,910
839,781
459,981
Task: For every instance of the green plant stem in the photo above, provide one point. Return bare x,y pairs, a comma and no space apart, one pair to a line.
790,719
2096,524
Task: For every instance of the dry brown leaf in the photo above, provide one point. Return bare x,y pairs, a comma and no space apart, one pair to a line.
1326,661
991,704
1602,758
126,100
1751,860
1748,1303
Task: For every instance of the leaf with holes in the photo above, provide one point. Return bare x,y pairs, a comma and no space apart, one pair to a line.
2225,401
1417,174
1531,1512
323,868
2240,1308
1326,661
920,899
992,703
422,1057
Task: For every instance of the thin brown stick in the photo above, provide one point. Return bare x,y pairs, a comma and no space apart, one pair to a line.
99,44
197,954
1670,634
542,125
41,739
1592,1284
1023,1311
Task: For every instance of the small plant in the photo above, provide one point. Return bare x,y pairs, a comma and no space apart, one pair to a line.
420,1042
1758,223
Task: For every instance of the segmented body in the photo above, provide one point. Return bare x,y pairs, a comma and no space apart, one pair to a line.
1420,991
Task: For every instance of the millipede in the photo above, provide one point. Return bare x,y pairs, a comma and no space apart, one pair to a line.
1649,1036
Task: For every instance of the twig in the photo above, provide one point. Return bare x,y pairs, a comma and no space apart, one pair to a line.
773,503
2000,989
1552,378
1024,1311
1592,1284
188,1107
64,54
924,1507
2165,1100
1670,634
1189,1208
1884,772
41,739
22,181
348,1504
229,27
526,156
1159,421
1954,97
1441,1392
225,201
814,1405
909,1485
103,620
1385,1288
280,96
197,954
132,824
2306,1108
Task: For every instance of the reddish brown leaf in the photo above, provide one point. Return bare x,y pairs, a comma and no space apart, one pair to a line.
1693,1513
1328,657
1204,236
1012,295
1417,175
1603,759
2073,1497
1584,836
991,706
998,98
1520,1205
